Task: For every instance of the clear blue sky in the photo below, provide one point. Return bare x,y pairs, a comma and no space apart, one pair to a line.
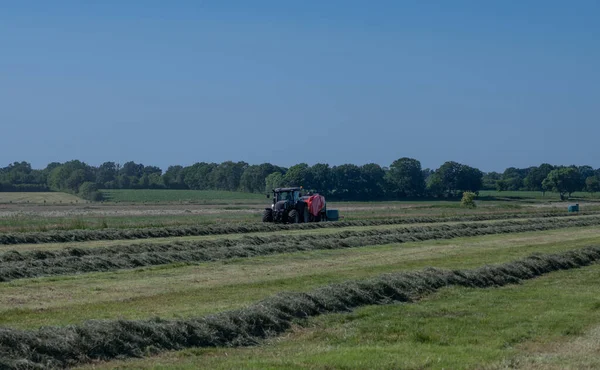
487,83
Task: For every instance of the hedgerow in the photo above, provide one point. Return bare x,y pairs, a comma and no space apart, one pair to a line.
19,265
51,347
65,236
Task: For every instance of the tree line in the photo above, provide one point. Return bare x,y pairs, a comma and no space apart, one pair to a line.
403,179
564,180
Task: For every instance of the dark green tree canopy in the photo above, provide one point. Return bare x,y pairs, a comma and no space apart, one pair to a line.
592,184
405,178
565,180
296,175
535,177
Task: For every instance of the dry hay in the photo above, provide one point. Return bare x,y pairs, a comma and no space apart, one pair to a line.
66,236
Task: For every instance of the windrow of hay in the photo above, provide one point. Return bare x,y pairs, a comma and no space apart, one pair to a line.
66,236
181,245
16,265
109,339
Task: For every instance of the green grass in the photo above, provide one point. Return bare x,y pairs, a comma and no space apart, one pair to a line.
535,195
150,211
39,198
25,223
183,291
145,215
455,328
20,222
181,196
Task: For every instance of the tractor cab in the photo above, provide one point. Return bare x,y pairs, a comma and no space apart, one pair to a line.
286,204
286,194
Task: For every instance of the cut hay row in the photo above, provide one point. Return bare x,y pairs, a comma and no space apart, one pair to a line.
256,240
66,236
17,265
110,339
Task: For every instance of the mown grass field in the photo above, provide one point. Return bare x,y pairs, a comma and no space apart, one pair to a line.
509,327
39,198
218,208
182,196
524,325
537,195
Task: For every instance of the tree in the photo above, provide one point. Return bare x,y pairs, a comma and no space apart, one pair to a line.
490,180
585,172
347,182
453,177
514,178
373,179
296,175
106,173
253,178
123,182
426,173
19,176
448,174
405,178
227,175
198,176
75,180
469,179
16,173
563,180
468,199
501,185
273,181
149,170
70,175
535,177
174,178
435,187
89,190
155,181
319,178
132,169
592,184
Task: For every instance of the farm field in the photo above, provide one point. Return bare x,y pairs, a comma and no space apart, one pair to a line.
208,291
39,198
536,195
31,216
182,196
299,185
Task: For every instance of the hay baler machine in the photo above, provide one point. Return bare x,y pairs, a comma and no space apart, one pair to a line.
290,206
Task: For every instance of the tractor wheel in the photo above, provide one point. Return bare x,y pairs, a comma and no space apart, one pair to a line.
267,215
293,217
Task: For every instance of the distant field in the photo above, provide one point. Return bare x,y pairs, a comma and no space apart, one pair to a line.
535,195
187,196
230,197
48,197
